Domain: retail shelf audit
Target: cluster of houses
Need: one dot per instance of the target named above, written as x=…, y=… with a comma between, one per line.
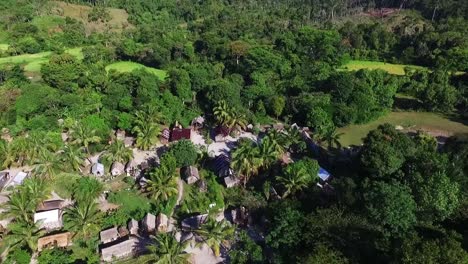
x=124, y=241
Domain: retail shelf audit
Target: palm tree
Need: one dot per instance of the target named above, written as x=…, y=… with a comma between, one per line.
x=236, y=121
x=72, y=157
x=165, y=249
x=22, y=234
x=84, y=136
x=246, y=160
x=19, y=150
x=332, y=137
x=162, y=184
x=270, y=151
x=295, y=179
x=222, y=112
x=216, y=234
x=146, y=134
x=117, y=152
x=48, y=165
x=83, y=218
x=22, y=202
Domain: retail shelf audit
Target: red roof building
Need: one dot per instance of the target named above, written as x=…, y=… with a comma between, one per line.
x=179, y=134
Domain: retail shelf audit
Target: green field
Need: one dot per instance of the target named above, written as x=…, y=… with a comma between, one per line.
x=397, y=69
x=429, y=122
x=33, y=62
x=128, y=66
x=3, y=46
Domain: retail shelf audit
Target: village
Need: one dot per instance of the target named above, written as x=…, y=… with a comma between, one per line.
x=132, y=239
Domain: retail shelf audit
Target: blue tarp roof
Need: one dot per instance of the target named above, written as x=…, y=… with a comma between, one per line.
x=323, y=174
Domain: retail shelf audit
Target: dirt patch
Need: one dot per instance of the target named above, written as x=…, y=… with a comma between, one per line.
x=118, y=17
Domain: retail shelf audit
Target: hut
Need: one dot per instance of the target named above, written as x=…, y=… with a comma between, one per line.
x=117, y=168
x=180, y=134
x=119, y=250
x=162, y=223
x=222, y=165
x=131, y=168
x=149, y=222
x=133, y=227
x=50, y=205
x=120, y=134
x=57, y=240
x=97, y=169
x=190, y=174
x=165, y=136
x=197, y=123
x=49, y=220
x=202, y=186
x=194, y=222
x=128, y=142
x=19, y=178
x=109, y=235
x=231, y=181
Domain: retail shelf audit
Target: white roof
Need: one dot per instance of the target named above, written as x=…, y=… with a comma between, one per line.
x=48, y=219
x=19, y=178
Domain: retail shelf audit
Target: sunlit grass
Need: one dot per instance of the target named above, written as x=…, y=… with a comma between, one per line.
x=128, y=66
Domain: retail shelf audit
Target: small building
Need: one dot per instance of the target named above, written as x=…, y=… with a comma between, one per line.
x=221, y=134
x=61, y=240
x=50, y=205
x=4, y=178
x=119, y=250
x=231, y=181
x=97, y=169
x=109, y=235
x=131, y=168
x=133, y=227
x=194, y=222
x=117, y=168
x=165, y=136
x=222, y=166
x=197, y=123
x=19, y=178
x=323, y=174
x=179, y=134
x=49, y=220
x=149, y=222
x=128, y=142
x=190, y=174
x=162, y=223
x=120, y=134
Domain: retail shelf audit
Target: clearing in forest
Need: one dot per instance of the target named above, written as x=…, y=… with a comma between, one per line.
x=118, y=17
x=128, y=66
x=432, y=123
x=33, y=62
x=397, y=69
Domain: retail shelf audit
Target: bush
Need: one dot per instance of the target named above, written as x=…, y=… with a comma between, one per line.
x=185, y=153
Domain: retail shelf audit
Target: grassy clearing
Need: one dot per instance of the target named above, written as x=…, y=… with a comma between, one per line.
x=430, y=122
x=397, y=69
x=33, y=62
x=45, y=23
x=3, y=46
x=128, y=66
x=118, y=22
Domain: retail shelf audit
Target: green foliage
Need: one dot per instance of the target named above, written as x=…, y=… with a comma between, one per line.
x=18, y=256
x=325, y=255
x=55, y=256
x=185, y=153
x=245, y=250
x=131, y=204
x=391, y=205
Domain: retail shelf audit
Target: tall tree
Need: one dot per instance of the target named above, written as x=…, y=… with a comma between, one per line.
x=118, y=152
x=216, y=234
x=165, y=249
x=82, y=135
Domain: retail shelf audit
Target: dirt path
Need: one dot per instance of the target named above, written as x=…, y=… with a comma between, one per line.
x=180, y=190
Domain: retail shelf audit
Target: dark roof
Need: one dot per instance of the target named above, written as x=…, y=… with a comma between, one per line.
x=178, y=134
x=194, y=222
x=221, y=162
x=50, y=205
